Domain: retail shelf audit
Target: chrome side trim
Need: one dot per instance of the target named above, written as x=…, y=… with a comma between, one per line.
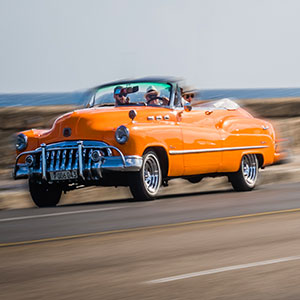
x=176, y=152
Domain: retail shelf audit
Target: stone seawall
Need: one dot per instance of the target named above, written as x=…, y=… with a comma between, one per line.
x=283, y=113
x=16, y=119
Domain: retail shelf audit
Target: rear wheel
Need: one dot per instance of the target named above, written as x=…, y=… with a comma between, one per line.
x=145, y=184
x=45, y=195
x=246, y=177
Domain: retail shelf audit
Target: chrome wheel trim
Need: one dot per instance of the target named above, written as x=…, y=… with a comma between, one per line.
x=250, y=169
x=151, y=174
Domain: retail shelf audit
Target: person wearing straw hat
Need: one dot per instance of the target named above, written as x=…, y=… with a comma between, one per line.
x=152, y=97
x=188, y=93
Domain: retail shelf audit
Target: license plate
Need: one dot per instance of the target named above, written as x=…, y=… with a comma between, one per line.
x=64, y=175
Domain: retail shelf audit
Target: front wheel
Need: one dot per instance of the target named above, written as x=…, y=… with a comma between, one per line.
x=145, y=184
x=246, y=177
x=45, y=195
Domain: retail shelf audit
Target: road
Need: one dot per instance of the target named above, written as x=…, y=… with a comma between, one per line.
x=218, y=245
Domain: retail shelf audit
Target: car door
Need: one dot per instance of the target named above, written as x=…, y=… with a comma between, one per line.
x=201, y=141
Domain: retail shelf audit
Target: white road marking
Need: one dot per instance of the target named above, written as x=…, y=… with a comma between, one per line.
x=225, y=269
x=61, y=214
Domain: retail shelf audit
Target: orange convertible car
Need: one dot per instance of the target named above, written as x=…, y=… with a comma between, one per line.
x=141, y=134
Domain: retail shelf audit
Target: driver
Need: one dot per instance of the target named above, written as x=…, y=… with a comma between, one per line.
x=120, y=95
x=152, y=97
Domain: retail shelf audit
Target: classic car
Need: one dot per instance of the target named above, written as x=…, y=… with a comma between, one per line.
x=141, y=133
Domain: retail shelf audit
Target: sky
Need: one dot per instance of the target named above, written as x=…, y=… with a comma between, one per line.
x=67, y=45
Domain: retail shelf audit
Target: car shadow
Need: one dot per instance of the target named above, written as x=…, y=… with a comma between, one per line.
x=161, y=197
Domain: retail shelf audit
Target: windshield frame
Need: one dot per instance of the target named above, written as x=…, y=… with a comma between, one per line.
x=172, y=85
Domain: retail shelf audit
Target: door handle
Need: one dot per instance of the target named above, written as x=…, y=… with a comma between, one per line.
x=208, y=112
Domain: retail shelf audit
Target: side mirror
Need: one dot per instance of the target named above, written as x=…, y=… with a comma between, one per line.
x=187, y=107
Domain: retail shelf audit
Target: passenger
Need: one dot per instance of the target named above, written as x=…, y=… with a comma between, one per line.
x=188, y=97
x=188, y=94
x=120, y=96
x=152, y=97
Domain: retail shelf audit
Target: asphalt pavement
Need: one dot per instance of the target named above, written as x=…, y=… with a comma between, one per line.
x=219, y=245
x=192, y=244
x=78, y=220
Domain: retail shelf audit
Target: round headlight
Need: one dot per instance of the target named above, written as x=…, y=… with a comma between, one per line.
x=122, y=134
x=21, y=142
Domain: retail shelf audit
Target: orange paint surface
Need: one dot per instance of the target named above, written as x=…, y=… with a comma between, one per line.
x=173, y=130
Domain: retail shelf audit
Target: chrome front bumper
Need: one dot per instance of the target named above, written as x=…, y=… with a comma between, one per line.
x=75, y=155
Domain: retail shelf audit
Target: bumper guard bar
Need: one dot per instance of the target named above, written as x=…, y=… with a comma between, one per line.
x=112, y=163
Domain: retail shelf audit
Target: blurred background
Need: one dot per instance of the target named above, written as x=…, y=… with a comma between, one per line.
x=53, y=51
x=60, y=46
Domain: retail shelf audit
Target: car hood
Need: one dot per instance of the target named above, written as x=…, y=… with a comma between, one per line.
x=96, y=123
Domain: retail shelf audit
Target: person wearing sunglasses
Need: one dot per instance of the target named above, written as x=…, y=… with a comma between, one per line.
x=188, y=94
x=120, y=96
x=188, y=97
x=152, y=97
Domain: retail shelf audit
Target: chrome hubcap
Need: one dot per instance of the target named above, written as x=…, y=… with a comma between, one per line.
x=250, y=168
x=152, y=174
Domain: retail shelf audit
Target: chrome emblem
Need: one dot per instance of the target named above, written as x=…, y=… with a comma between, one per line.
x=265, y=127
x=67, y=132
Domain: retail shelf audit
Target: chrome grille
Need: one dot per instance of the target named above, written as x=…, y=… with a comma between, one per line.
x=73, y=155
x=88, y=158
x=67, y=159
x=59, y=160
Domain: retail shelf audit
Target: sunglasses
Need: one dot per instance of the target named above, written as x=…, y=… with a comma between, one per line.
x=121, y=95
x=188, y=96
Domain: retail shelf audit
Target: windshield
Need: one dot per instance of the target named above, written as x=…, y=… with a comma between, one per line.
x=219, y=104
x=134, y=94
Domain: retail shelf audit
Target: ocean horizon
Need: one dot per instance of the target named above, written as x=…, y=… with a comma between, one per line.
x=79, y=98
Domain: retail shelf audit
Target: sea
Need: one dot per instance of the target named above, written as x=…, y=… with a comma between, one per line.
x=79, y=98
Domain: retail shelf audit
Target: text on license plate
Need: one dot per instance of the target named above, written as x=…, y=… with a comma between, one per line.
x=64, y=175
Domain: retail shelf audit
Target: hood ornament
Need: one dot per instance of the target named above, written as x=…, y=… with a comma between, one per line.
x=132, y=114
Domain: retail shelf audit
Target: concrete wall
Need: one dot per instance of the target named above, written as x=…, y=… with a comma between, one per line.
x=15, y=119
x=284, y=113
